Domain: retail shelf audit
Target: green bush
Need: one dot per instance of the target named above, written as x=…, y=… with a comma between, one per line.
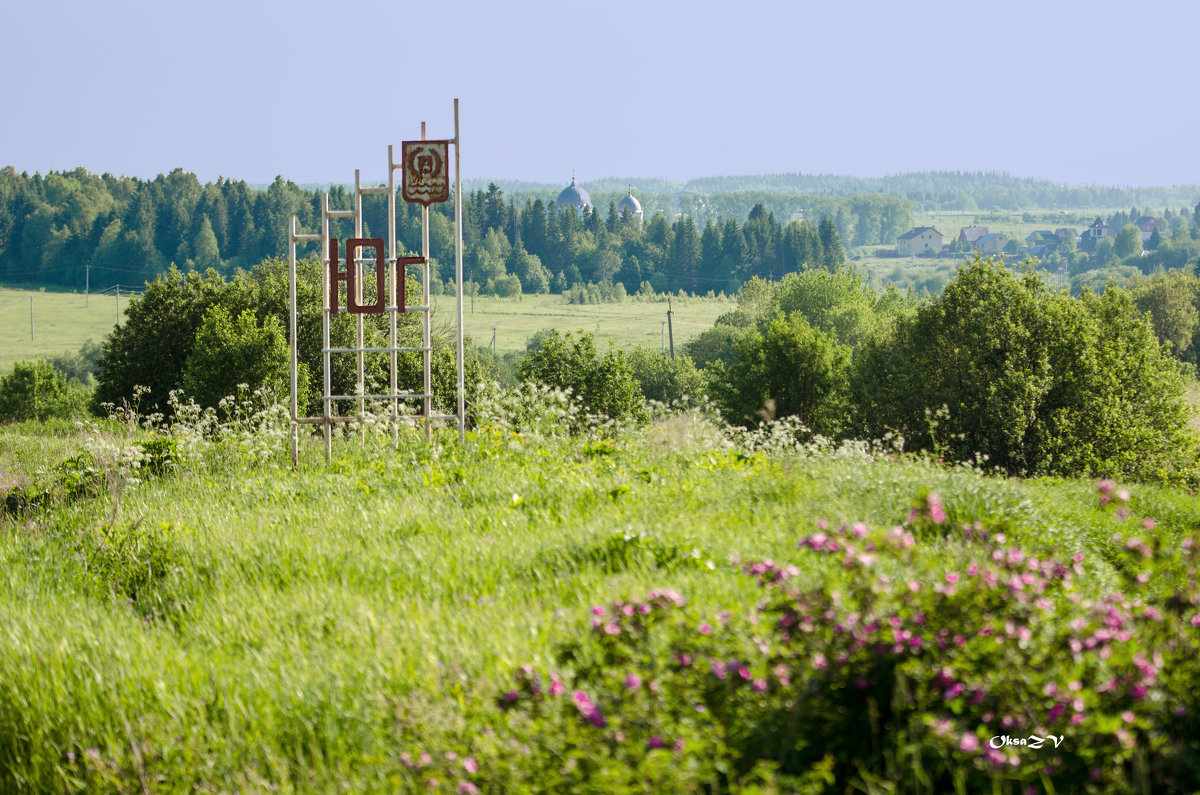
x=1036, y=380
x=150, y=348
x=34, y=390
x=229, y=352
x=791, y=370
x=603, y=385
x=1170, y=300
x=507, y=286
x=664, y=379
x=713, y=344
x=839, y=303
x=80, y=366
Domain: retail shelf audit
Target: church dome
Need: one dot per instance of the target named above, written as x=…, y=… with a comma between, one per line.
x=574, y=196
x=630, y=203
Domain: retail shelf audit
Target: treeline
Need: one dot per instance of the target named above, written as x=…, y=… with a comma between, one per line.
x=127, y=230
x=77, y=228
x=539, y=248
x=999, y=365
x=957, y=190
x=928, y=190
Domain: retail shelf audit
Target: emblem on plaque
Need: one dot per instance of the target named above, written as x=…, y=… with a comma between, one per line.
x=426, y=177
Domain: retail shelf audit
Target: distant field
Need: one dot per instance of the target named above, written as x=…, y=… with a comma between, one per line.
x=61, y=323
x=626, y=324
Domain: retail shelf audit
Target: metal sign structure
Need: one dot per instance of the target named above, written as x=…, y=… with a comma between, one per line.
x=425, y=179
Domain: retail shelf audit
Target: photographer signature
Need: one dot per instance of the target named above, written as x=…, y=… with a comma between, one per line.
x=1032, y=741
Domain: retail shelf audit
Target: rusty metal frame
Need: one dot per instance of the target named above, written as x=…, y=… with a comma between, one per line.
x=393, y=273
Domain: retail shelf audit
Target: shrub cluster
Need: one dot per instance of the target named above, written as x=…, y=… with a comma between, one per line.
x=1000, y=366
x=231, y=332
x=604, y=386
x=35, y=390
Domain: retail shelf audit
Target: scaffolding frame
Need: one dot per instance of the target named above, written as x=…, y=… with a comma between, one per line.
x=393, y=282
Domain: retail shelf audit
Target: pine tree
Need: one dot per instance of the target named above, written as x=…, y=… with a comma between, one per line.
x=685, y=252
x=533, y=228
x=734, y=251
x=493, y=208
x=710, y=255
x=831, y=241
x=205, y=251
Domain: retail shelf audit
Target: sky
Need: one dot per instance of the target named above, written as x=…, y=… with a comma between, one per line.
x=1092, y=92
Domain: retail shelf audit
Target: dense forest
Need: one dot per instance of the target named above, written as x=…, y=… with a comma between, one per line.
x=76, y=228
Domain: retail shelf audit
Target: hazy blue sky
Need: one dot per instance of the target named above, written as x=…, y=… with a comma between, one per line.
x=1079, y=92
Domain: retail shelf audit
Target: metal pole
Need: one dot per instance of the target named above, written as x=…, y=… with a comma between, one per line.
x=392, y=255
x=292, y=332
x=325, y=322
x=427, y=333
x=458, y=271
x=294, y=336
x=670, y=330
x=359, y=278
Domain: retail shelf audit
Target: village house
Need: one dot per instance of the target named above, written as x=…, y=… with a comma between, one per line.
x=1041, y=243
x=992, y=243
x=921, y=240
x=1094, y=234
x=969, y=234
x=1148, y=224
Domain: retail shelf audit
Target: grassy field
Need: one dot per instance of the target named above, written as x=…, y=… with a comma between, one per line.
x=631, y=322
x=362, y=626
x=61, y=323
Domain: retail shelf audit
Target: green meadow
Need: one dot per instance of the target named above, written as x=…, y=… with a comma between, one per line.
x=531, y=611
x=631, y=322
x=62, y=322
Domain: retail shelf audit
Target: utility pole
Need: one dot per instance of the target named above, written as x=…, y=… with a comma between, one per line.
x=662, y=348
x=670, y=330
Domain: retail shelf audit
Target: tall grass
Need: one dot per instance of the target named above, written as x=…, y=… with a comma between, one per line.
x=233, y=625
